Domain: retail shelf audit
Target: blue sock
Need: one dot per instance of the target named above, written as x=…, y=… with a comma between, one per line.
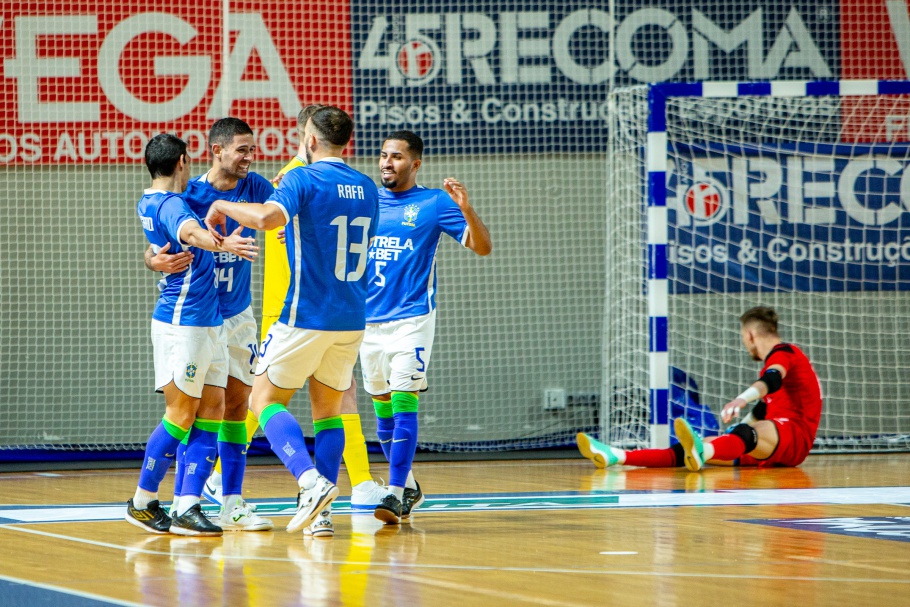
x=181, y=466
x=232, y=450
x=329, y=446
x=201, y=453
x=233, y=467
x=286, y=438
x=159, y=453
x=404, y=445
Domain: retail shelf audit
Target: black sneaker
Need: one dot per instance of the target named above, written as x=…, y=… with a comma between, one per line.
x=412, y=499
x=153, y=518
x=389, y=510
x=193, y=522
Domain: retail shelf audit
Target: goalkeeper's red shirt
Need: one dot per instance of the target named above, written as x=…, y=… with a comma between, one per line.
x=799, y=398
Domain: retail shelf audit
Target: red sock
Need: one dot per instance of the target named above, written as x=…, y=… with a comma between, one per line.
x=728, y=447
x=652, y=458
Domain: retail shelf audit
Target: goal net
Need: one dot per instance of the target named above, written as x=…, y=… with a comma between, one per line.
x=794, y=195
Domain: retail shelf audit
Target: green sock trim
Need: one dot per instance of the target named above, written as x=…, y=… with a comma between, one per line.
x=232, y=432
x=174, y=430
x=327, y=423
x=270, y=412
x=208, y=425
x=404, y=402
x=383, y=408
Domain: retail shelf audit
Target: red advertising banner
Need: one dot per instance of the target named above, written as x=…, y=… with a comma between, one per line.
x=91, y=82
x=875, y=45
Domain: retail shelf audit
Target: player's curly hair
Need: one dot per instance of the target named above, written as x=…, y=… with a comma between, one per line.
x=763, y=317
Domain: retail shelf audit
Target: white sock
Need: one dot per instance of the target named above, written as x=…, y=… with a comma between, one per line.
x=231, y=502
x=410, y=483
x=620, y=455
x=308, y=479
x=142, y=498
x=397, y=492
x=185, y=502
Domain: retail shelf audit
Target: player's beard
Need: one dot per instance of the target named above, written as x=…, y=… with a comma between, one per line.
x=388, y=183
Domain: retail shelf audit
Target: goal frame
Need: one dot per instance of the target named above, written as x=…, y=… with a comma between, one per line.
x=656, y=159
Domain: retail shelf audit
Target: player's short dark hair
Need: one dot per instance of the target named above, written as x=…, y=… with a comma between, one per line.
x=162, y=153
x=332, y=124
x=764, y=318
x=306, y=113
x=415, y=143
x=225, y=129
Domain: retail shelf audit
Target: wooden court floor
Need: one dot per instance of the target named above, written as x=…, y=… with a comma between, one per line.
x=544, y=532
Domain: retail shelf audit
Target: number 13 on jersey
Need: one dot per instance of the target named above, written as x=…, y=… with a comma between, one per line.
x=355, y=248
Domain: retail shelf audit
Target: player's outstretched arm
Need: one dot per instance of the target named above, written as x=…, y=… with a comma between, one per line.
x=162, y=261
x=250, y=214
x=478, y=235
x=243, y=247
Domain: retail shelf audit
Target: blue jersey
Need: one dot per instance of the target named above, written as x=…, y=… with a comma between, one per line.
x=402, y=264
x=331, y=212
x=232, y=272
x=187, y=298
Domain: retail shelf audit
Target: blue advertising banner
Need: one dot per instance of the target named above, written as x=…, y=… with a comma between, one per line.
x=510, y=77
x=786, y=218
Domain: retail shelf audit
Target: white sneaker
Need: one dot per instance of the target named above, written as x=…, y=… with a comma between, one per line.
x=367, y=495
x=322, y=526
x=243, y=518
x=212, y=490
x=312, y=501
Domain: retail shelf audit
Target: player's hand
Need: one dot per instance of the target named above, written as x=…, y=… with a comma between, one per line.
x=165, y=262
x=456, y=190
x=216, y=222
x=243, y=247
x=732, y=409
x=282, y=235
x=277, y=179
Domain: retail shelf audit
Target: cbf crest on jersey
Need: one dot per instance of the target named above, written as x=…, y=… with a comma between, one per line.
x=191, y=372
x=410, y=215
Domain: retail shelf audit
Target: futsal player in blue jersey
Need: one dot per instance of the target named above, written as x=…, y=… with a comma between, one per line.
x=231, y=145
x=401, y=304
x=187, y=338
x=330, y=213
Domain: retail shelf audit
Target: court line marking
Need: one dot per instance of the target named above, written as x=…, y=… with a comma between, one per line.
x=69, y=591
x=41, y=513
x=441, y=567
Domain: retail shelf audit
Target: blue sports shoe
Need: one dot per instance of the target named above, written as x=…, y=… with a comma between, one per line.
x=691, y=443
x=597, y=452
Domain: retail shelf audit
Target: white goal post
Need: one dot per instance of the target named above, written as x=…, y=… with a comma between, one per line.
x=727, y=195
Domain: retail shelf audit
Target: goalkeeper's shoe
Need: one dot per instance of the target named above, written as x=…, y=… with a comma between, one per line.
x=152, y=518
x=693, y=448
x=596, y=451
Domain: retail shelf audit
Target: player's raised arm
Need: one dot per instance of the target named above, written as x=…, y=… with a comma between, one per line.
x=478, y=235
x=169, y=263
x=243, y=247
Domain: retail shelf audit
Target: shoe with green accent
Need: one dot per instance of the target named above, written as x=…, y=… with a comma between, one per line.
x=691, y=443
x=596, y=451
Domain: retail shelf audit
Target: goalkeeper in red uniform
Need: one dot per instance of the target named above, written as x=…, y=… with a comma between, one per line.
x=779, y=431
